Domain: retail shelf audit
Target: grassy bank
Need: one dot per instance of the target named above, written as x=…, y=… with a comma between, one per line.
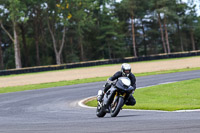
x=79, y=81
x=181, y=95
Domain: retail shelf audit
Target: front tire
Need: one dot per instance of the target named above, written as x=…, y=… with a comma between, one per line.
x=116, y=106
x=99, y=111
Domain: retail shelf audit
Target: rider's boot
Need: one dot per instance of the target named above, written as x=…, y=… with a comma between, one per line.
x=100, y=96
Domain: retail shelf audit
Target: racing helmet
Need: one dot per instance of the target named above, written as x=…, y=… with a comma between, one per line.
x=126, y=69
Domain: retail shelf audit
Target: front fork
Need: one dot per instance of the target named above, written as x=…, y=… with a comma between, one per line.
x=108, y=97
x=113, y=99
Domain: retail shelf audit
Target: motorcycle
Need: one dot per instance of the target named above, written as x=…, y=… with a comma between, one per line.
x=115, y=97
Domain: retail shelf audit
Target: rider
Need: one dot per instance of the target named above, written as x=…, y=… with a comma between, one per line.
x=125, y=72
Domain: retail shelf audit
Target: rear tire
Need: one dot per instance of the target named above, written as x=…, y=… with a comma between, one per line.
x=117, y=106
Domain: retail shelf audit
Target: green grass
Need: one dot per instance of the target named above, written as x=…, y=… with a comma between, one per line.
x=79, y=81
x=167, y=71
x=48, y=85
x=181, y=95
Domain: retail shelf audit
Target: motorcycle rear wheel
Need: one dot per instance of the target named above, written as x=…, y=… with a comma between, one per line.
x=116, y=106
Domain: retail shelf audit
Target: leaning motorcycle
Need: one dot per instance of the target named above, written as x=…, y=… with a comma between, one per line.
x=115, y=97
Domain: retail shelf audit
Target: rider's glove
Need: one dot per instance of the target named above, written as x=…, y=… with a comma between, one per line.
x=134, y=87
x=109, y=82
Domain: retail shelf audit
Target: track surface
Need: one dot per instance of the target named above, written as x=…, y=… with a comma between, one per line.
x=56, y=110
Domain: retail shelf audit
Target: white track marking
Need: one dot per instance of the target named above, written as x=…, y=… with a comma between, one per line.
x=81, y=103
x=187, y=110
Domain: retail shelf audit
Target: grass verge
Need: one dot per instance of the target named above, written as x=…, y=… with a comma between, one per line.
x=79, y=81
x=181, y=95
x=48, y=85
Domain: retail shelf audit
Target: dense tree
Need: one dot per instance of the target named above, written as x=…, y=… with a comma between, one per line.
x=83, y=21
x=1, y=55
x=16, y=14
x=58, y=16
x=109, y=33
x=45, y=32
x=36, y=17
x=131, y=6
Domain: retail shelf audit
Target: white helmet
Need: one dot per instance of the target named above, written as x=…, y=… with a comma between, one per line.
x=126, y=69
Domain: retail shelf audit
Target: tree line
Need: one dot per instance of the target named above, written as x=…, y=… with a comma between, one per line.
x=46, y=32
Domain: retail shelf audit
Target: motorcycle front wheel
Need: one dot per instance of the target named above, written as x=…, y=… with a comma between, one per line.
x=100, y=112
x=116, y=106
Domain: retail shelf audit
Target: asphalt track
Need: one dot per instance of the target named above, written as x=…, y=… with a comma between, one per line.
x=56, y=110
